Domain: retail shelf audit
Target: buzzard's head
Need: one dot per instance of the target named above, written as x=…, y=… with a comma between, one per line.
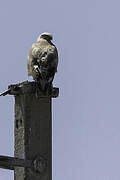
x=46, y=36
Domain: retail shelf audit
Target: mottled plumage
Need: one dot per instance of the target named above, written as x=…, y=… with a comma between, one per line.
x=43, y=60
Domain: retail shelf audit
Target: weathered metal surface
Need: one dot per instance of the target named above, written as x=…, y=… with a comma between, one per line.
x=38, y=164
x=33, y=135
x=30, y=88
x=32, y=132
x=12, y=162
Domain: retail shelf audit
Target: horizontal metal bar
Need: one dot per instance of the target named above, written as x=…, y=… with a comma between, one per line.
x=11, y=162
x=5, y=92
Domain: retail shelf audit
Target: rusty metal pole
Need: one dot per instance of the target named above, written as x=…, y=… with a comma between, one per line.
x=33, y=133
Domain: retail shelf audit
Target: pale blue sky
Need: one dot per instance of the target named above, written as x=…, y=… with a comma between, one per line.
x=86, y=116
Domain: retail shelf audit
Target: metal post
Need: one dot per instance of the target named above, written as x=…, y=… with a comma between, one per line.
x=33, y=133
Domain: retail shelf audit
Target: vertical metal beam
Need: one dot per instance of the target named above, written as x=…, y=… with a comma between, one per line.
x=33, y=135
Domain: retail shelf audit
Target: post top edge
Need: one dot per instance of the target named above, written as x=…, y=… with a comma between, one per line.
x=30, y=87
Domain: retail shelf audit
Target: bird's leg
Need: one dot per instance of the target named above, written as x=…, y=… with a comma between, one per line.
x=36, y=93
x=48, y=88
x=50, y=84
x=40, y=88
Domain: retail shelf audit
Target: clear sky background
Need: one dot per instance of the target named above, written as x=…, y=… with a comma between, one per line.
x=86, y=116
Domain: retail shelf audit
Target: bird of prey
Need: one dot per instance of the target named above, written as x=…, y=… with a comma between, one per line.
x=42, y=61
